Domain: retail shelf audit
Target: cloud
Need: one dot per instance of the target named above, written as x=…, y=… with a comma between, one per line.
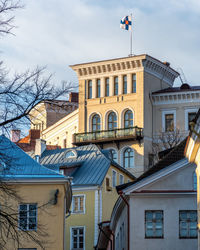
x=60, y=33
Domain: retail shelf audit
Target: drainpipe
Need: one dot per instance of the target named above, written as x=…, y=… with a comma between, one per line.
x=128, y=221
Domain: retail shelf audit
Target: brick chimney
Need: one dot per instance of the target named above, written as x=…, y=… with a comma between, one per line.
x=33, y=135
x=15, y=135
x=73, y=97
x=40, y=146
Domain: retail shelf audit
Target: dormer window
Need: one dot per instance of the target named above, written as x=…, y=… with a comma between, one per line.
x=71, y=154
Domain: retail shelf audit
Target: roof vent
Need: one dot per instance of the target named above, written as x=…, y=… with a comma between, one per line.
x=185, y=86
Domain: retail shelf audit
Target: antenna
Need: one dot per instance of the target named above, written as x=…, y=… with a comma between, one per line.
x=182, y=76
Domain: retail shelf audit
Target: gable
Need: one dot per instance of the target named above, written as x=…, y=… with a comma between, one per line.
x=180, y=179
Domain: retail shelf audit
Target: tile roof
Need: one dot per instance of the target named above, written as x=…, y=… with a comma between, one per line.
x=176, y=154
x=91, y=163
x=15, y=163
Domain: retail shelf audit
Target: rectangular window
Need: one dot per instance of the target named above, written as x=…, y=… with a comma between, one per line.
x=121, y=179
x=116, y=85
x=78, y=204
x=107, y=87
x=98, y=88
x=154, y=224
x=187, y=224
x=28, y=217
x=65, y=143
x=191, y=117
x=169, y=122
x=114, y=178
x=108, y=187
x=90, y=89
x=124, y=84
x=134, y=83
x=77, y=238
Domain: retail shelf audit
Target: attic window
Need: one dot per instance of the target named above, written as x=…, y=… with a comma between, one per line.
x=71, y=154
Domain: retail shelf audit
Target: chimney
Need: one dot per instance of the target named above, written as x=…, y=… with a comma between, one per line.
x=40, y=146
x=73, y=97
x=15, y=135
x=33, y=135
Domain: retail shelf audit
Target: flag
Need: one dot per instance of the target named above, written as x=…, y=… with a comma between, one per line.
x=126, y=23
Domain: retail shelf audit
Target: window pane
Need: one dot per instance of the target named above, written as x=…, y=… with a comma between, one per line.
x=89, y=89
x=154, y=224
x=169, y=122
x=124, y=84
x=188, y=223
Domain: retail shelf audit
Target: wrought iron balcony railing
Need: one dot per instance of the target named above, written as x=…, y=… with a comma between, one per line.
x=133, y=133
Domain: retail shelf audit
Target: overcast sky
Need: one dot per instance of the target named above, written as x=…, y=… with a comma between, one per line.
x=58, y=33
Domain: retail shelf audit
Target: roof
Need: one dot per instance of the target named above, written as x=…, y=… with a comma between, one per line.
x=91, y=164
x=183, y=88
x=176, y=154
x=16, y=164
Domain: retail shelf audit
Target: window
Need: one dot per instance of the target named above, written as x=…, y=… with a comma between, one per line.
x=89, y=89
x=113, y=155
x=112, y=121
x=28, y=217
x=194, y=181
x=116, y=85
x=96, y=123
x=169, y=122
x=78, y=204
x=121, y=179
x=188, y=224
x=154, y=224
x=108, y=187
x=128, y=119
x=107, y=87
x=128, y=158
x=124, y=84
x=98, y=88
x=70, y=154
x=61, y=171
x=64, y=143
x=134, y=83
x=191, y=117
x=27, y=248
x=77, y=238
x=114, y=178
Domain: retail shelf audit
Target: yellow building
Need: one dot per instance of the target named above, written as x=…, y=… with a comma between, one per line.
x=36, y=200
x=192, y=152
x=116, y=106
x=94, y=177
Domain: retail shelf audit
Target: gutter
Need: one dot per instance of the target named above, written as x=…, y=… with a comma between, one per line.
x=128, y=217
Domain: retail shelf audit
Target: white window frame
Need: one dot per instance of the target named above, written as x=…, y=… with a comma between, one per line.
x=187, y=111
x=168, y=112
x=121, y=176
x=114, y=179
x=78, y=195
x=71, y=240
x=28, y=217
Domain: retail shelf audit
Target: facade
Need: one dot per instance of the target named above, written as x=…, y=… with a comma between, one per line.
x=40, y=202
x=192, y=152
x=94, y=177
x=158, y=210
x=125, y=104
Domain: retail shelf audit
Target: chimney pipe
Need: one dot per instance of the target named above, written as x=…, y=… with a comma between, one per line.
x=15, y=135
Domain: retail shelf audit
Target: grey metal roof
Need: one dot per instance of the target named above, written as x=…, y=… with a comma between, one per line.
x=15, y=163
x=92, y=163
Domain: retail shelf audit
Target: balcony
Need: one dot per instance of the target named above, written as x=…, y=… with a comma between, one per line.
x=108, y=136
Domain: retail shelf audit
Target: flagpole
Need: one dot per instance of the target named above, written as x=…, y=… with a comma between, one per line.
x=131, y=40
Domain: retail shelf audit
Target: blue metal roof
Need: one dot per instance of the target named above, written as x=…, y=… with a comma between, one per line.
x=15, y=163
x=91, y=162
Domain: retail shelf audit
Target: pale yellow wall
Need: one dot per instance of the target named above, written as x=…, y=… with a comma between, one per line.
x=50, y=217
x=63, y=129
x=83, y=220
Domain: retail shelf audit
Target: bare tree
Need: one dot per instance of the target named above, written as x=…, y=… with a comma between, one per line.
x=19, y=94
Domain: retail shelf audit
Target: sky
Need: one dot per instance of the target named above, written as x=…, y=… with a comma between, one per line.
x=59, y=33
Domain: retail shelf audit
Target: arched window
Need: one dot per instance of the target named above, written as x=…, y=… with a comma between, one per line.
x=128, y=119
x=70, y=154
x=128, y=158
x=113, y=155
x=194, y=181
x=89, y=89
x=96, y=123
x=112, y=121
x=124, y=84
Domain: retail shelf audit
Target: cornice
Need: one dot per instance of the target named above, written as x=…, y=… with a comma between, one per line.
x=176, y=97
x=126, y=65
